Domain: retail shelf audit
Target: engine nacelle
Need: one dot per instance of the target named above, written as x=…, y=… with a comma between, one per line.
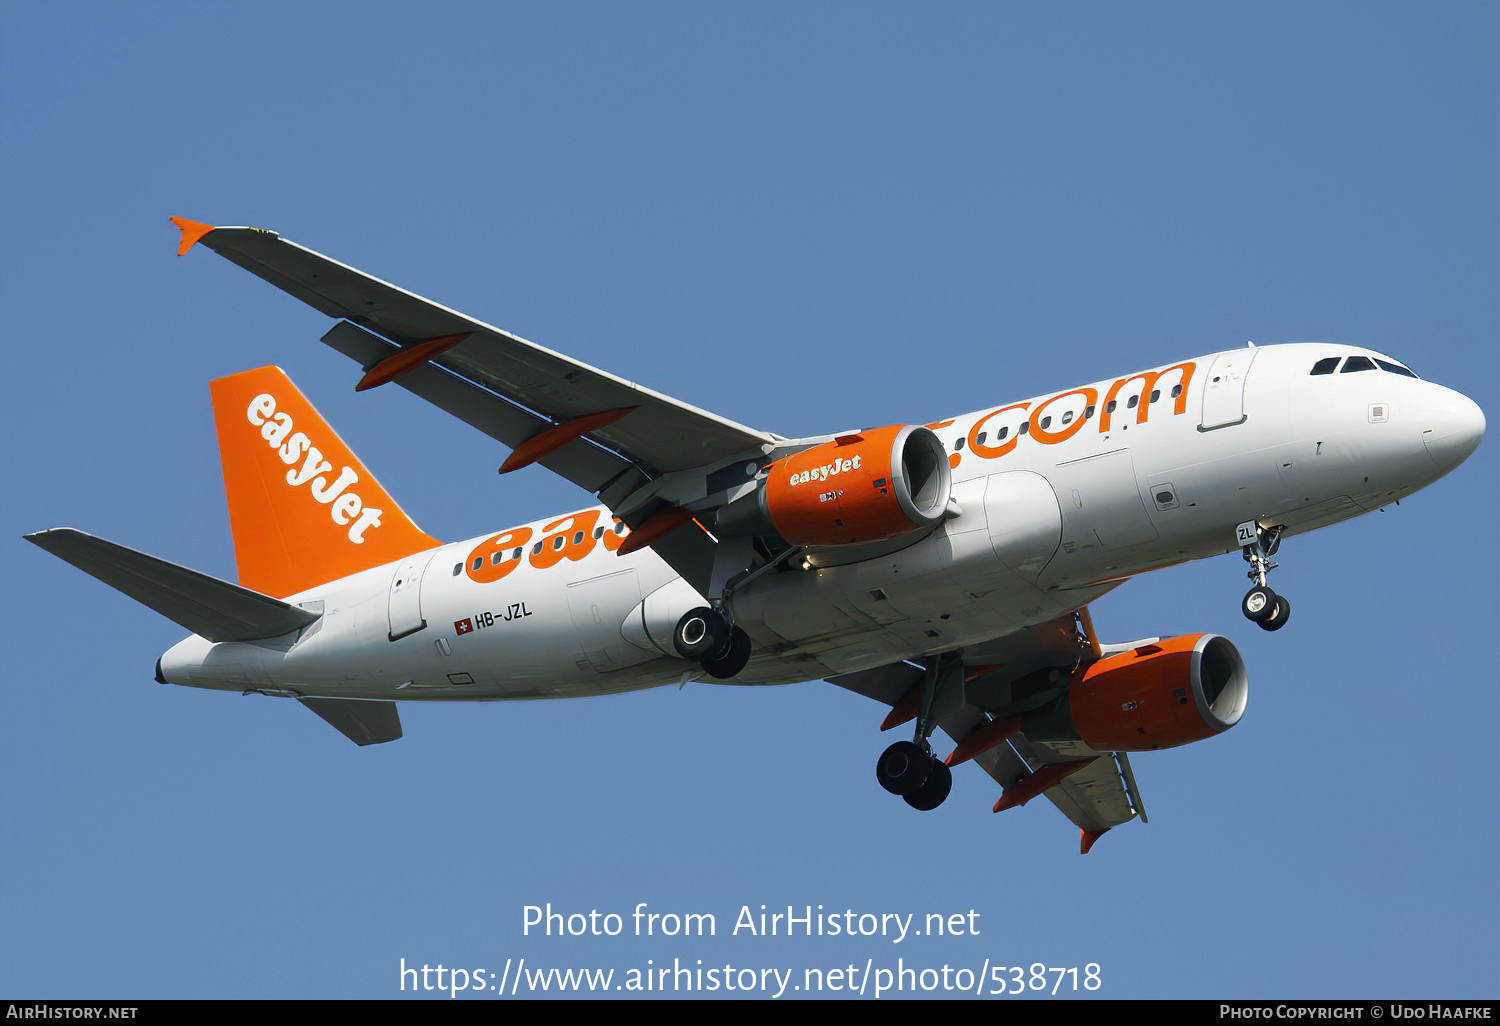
x=1162, y=695
x=862, y=487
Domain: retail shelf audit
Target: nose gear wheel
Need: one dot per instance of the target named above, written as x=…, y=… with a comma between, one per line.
x=1261, y=605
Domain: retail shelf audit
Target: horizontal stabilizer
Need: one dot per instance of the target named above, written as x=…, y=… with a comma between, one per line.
x=207, y=606
x=364, y=723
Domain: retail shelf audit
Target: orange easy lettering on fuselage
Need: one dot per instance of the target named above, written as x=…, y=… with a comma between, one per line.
x=571, y=537
x=997, y=432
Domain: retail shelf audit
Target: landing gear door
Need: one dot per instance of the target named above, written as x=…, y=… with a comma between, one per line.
x=599, y=607
x=1224, y=390
x=406, y=595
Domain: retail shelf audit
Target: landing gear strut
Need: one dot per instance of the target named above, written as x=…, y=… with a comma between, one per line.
x=1261, y=605
x=908, y=768
x=708, y=635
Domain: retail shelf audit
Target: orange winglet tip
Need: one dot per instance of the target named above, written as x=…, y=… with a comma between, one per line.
x=542, y=445
x=192, y=231
x=1028, y=787
x=656, y=527
x=1086, y=839
x=983, y=739
x=905, y=710
x=403, y=360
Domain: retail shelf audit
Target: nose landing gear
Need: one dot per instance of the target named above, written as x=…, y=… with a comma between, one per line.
x=1261, y=605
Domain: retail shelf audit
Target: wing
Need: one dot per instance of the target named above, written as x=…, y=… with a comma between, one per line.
x=637, y=449
x=1010, y=675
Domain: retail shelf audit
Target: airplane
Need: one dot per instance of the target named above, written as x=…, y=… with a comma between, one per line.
x=944, y=570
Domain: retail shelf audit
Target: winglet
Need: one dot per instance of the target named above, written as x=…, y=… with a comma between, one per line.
x=192, y=231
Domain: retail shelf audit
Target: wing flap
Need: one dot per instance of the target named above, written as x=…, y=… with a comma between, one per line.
x=207, y=606
x=1095, y=797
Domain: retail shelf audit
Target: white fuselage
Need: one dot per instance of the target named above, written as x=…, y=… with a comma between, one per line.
x=1061, y=498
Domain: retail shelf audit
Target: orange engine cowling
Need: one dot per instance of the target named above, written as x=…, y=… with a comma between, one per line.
x=861, y=487
x=1162, y=695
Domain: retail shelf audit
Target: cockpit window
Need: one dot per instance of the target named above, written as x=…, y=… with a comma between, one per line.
x=1394, y=368
x=1326, y=366
x=1358, y=363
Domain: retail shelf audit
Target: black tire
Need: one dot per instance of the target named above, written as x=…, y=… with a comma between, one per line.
x=699, y=634
x=1279, y=616
x=733, y=659
x=1258, y=604
x=903, y=768
x=933, y=790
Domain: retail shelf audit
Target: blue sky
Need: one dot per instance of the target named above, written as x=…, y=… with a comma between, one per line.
x=804, y=217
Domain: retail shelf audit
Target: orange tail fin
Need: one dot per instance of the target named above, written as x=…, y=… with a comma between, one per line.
x=303, y=509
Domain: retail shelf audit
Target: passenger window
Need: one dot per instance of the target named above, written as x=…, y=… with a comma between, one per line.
x=1130, y=403
x=1326, y=365
x=1155, y=394
x=1176, y=391
x=457, y=569
x=958, y=443
x=478, y=562
x=1025, y=427
x=536, y=549
x=515, y=554
x=1067, y=418
x=496, y=557
x=979, y=439
x=1046, y=423
x=1358, y=363
x=1000, y=435
x=1088, y=414
x=1109, y=407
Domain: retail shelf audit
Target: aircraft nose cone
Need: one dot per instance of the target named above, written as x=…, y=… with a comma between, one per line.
x=1457, y=425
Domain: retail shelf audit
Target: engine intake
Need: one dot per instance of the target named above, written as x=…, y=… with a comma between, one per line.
x=1162, y=695
x=858, y=488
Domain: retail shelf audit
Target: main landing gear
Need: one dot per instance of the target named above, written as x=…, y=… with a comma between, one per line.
x=908, y=768
x=1261, y=605
x=706, y=636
